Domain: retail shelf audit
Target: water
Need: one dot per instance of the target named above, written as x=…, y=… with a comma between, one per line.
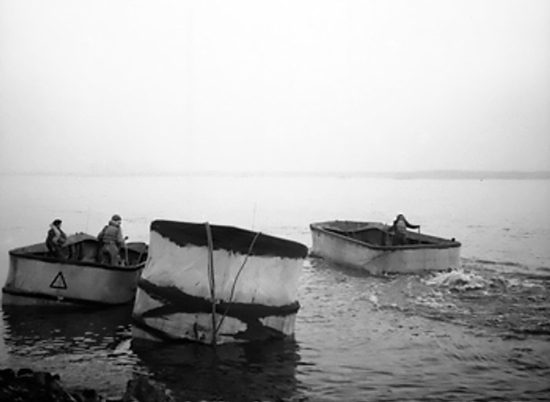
x=478, y=333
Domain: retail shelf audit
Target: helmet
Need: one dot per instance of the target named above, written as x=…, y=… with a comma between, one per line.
x=116, y=218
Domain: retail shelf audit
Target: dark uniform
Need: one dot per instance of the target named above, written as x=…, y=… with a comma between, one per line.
x=55, y=239
x=112, y=241
x=399, y=229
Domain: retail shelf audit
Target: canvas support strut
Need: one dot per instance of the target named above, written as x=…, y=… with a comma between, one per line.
x=236, y=278
x=211, y=280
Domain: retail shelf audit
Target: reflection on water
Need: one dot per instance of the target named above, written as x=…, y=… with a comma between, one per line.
x=256, y=371
x=42, y=332
x=86, y=347
x=93, y=348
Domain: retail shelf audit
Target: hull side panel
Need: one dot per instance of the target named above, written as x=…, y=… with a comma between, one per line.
x=72, y=282
x=379, y=260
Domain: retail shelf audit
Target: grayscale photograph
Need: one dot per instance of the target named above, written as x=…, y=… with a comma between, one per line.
x=274, y=201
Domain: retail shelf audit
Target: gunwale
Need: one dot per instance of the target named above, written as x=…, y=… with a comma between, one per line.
x=332, y=228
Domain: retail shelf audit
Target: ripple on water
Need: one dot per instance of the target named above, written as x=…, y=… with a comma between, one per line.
x=428, y=325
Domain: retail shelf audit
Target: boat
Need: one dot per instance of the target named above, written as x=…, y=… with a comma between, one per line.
x=216, y=284
x=367, y=246
x=76, y=278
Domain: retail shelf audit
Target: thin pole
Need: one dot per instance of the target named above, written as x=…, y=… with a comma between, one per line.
x=211, y=280
x=235, y=280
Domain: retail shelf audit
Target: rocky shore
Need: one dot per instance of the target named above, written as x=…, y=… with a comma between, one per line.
x=27, y=385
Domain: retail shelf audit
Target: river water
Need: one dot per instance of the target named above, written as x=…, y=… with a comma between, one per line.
x=481, y=332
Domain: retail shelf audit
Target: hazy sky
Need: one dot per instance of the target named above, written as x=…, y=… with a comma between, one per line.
x=131, y=86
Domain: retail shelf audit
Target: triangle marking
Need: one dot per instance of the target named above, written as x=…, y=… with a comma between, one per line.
x=59, y=282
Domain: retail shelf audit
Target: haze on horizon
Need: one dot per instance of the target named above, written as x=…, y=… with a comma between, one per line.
x=335, y=86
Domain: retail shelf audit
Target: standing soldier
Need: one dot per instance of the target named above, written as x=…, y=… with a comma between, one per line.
x=112, y=241
x=399, y=230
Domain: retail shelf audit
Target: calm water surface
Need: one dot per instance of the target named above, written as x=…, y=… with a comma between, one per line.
x=479, y=333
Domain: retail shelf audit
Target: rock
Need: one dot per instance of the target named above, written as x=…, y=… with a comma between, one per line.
x=27, y=386
x=36, y=386
x=142, y=389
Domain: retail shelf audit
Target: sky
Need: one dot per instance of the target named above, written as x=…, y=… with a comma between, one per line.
x=131, y=87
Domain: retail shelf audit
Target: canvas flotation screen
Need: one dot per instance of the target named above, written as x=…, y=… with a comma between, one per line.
x=218, y=283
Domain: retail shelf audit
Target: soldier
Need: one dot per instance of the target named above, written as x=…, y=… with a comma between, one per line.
x=55, y=239
x=399, y=230
x=112, y=241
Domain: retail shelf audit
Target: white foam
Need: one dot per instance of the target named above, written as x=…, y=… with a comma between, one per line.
x=458, y=279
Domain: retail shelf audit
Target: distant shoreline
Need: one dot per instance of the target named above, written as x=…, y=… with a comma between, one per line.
x=412, y=175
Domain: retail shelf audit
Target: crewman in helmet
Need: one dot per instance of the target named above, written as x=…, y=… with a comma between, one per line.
x=112, y=241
